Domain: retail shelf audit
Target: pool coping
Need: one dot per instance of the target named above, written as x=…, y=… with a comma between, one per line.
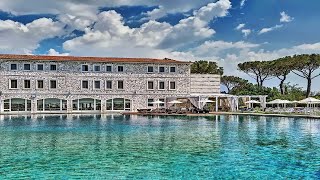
x=227, y=113
x=163, y=114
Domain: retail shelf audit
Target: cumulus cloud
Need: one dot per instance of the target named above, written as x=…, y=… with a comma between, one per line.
x=16, y=37
x=110, y=32
x=285, y=17
x=266, y=30
x=155, y=13
x=89, y=9
x=217, y=48
x=53, y=52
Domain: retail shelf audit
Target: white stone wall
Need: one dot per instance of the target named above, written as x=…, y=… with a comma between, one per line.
x=69, y=77
x=205, y=84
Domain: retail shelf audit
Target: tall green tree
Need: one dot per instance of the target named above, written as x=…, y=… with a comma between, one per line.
x=254, y=89
x=259, y=70
x=305, y=66
x=233, y=82
x=281, y=68
x=206, y=67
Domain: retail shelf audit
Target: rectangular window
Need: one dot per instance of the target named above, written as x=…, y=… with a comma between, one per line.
x=150, y=69
x=150, y=102
x=85, y=85
x=27, y=67
x=53, y=67
x=172, y=85
x=13, y=67
x=161, y=85
x=172, y=69
x=27, y=84
x=97, y=68
x=97, y=84
x=150, y=85
x=109, y=68
x=162, y=104
x=84, y=68
x=13, y=84
x=120, y=85
x=40, y=84
x=53, y=84
x=120, y=68
x=161, y=69
x=40, y=67
x=109, y=84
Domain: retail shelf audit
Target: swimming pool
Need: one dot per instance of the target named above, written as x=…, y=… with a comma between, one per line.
x=172, y=147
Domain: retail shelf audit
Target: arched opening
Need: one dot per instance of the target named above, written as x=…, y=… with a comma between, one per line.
x=52, y=104
x=16, y=104
x=118, y=104
x=86, y=104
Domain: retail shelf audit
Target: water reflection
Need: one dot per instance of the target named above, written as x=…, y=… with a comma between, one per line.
x=158, y=145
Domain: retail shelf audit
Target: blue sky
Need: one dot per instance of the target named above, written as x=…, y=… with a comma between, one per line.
x=226, y=31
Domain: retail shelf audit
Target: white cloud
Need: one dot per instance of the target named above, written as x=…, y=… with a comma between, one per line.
x=109, y=32
x=16, y=37
x=246, y=32
x=155, y=13
x=242, y=3
x=285, y=17
x=216, y=48
x=240, y=26
x=53, y=52
x=195, y=28
x=88, y=9
x=266, y=30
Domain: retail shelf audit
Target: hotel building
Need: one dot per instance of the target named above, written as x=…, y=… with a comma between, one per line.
x=67, y=84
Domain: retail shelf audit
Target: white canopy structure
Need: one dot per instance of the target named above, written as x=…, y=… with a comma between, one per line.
x=253, y=102
x=287, y=102
x=279, y=101
x=310, y=100
x=276, y=101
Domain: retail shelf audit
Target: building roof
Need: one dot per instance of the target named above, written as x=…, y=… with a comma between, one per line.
x=90, y=59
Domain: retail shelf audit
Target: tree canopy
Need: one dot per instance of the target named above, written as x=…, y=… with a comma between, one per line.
x=280, y=69
x=206, y=67
x=259, y=70
x=233, y=82
x=305, y=66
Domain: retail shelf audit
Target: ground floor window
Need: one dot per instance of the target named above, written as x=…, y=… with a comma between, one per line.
x=118, y=104
x=17, y=104
x=150, y=102
x=162, y=104
x=51, y=104
x=86, y=104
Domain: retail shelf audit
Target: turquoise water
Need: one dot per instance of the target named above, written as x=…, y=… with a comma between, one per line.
x=132, y=147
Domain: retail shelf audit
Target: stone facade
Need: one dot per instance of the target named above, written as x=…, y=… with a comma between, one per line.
x=69, y=77
x=205, y=84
